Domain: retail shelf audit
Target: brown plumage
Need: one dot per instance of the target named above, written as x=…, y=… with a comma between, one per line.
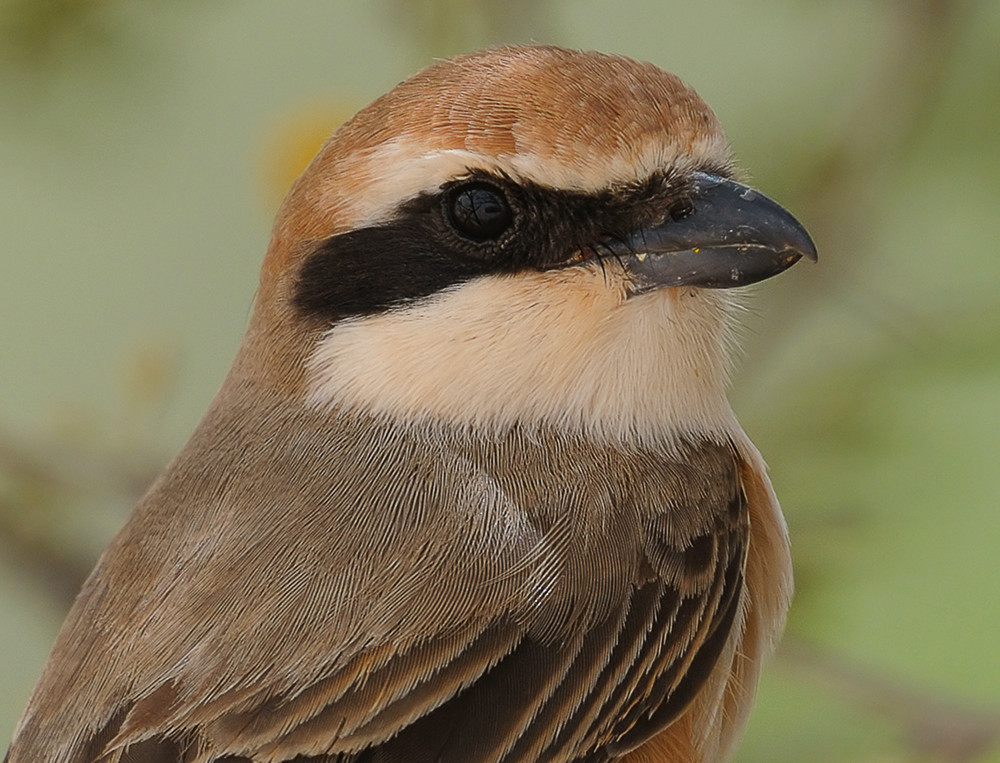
x=472, y=490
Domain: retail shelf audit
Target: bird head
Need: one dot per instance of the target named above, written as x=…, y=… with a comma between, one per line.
x=522, y=236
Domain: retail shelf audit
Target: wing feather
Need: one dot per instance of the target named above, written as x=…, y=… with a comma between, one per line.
x=555, y=613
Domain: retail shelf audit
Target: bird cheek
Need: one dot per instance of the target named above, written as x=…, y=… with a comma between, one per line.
x=683, y=294
x=679, y=296
x=594, y=276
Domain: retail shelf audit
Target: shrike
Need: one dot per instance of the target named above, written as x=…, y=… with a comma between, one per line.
x=472, y=490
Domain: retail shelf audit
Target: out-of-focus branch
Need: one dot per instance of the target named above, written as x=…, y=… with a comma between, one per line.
x=43, y=484
x=40, y=491
x=838, y=193
x=32, y=484
x=933, y=724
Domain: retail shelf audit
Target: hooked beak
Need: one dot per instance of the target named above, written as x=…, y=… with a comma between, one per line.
x=734, y=236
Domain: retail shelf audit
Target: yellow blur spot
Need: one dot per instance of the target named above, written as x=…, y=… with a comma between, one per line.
x=294, y=140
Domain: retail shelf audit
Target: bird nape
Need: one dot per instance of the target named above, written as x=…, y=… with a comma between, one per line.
x=472, y=490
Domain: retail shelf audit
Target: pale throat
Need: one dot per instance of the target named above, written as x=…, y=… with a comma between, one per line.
x=562, y=348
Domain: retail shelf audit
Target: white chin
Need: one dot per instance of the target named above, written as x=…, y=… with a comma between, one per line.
x=561, y=348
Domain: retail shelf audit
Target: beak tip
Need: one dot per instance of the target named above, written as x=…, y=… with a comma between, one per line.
x=809, y=252
x=799, y=245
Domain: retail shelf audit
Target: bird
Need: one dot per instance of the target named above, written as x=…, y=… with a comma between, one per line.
x=472, y=489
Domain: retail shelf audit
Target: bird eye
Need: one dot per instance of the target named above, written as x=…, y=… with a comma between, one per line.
x=479, y=211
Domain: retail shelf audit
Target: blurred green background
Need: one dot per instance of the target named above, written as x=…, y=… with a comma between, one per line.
x=144, y=147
